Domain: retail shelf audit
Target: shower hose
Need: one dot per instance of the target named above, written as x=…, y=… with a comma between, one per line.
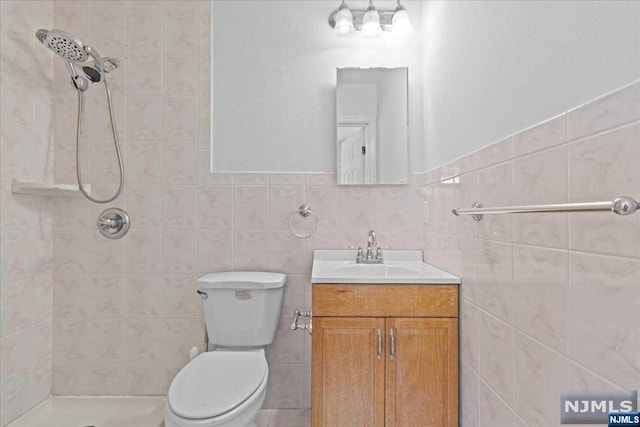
x=115, y=140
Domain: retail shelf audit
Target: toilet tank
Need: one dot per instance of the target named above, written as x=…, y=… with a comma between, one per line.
x=242, y=308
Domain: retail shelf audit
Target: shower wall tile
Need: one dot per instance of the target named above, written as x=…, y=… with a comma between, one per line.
x=179, y=118
x=287, y=178
x=468, y=396
x=215, y=251
x=215, y=208
x=541, y=136
x=497, y=152
x=602, y=167
x=144, y=203
x=495, y=189
x=251, y=207
x=180, y=162
x=144, y=251
x=179, y=251
x=320, y=178
x=144, y=162
x=180, y=75
x=179, y=204
x=26, y=222
x=143, y=296
x=281, y=199
x=144, y=117
x=258, y=178
x=144, y=48
x=557, y=309
x=250, y=250
x=540, y=294
x=495, y=355
x=493, y=410
x=469, y=337
x=541, y=178
x=392, y=214
x=605, y=288
x=615, y=109
x=542, y=377
x=180, y=29
x=102, y=164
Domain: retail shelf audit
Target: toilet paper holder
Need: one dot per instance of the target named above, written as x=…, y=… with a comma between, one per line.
x=304, y=326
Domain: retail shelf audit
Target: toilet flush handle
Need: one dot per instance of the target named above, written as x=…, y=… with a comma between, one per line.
x=203, y=295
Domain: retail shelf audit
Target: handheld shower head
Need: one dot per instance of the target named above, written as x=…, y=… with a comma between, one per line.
x=74, y=51
x=94, y=72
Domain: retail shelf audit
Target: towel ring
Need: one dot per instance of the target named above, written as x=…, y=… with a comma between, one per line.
x=304, y=211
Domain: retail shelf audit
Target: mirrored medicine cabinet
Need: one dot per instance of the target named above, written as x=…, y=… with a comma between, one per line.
x=372, y=126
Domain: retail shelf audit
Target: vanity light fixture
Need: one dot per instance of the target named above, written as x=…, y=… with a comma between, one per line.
x=400, y=21
x=344, y=21
x=370, y=21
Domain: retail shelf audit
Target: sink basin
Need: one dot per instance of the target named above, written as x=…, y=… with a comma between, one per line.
x=400, y=267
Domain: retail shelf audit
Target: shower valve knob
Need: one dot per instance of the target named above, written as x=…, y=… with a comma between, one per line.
x=113, y=223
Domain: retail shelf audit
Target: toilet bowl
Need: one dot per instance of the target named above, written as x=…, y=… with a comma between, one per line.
x=226, y=387
x=218, y=389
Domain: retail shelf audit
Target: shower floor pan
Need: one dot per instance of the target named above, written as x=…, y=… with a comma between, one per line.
x=107, y=411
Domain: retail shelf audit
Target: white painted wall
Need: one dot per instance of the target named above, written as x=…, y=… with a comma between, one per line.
x=494, y=67
x=275, y=77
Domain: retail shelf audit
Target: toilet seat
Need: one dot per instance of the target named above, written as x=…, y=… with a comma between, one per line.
x=215, y=383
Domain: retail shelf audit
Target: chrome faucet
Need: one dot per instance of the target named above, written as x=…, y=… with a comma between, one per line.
x=374, y=252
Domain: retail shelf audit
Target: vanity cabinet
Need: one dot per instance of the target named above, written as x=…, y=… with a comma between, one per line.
x=385, y=355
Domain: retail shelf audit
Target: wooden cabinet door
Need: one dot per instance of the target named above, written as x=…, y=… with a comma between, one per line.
x=347, y=373
x=422, y=376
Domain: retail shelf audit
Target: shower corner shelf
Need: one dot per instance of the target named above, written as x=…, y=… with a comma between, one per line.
x=46, y=189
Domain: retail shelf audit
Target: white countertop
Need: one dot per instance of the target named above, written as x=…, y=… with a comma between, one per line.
x=399, y=267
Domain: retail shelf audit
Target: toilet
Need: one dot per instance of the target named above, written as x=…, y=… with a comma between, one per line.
x=225, y=387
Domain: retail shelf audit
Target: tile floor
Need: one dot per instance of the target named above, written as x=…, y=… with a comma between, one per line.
x=130, y=411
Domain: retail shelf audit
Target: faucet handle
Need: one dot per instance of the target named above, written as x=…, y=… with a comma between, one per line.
x=378, y=253
x=360, y=255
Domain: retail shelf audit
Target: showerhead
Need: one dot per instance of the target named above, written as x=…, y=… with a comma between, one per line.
x=73, y=51
x=64, y=44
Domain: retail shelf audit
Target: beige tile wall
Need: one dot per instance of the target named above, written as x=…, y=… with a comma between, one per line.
x=542, y=294
x=126, y=312
x=26, y=148
x=550, y=301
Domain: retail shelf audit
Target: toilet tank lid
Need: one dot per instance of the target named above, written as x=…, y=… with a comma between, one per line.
x=242, y=280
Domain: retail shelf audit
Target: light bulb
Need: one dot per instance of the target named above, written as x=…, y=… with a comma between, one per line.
x=400, y=21
x=344, y=21
x=371, y=22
